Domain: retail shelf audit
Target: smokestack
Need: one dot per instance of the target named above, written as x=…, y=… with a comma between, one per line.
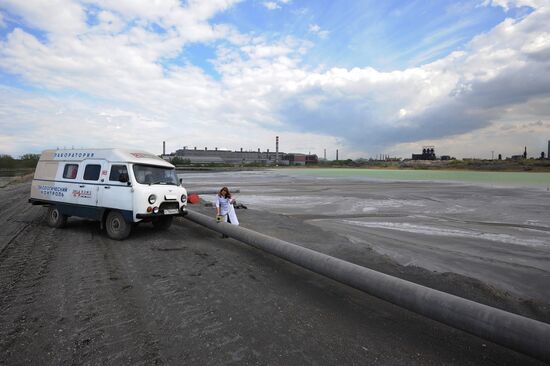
x=325, y=154
x=164, y=148
x=336, y=154
x=548, y=155
x=276, y=149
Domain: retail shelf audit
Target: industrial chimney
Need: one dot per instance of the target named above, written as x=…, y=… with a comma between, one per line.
x=276, y=149
x=336, y=154
x=548, y=155
x=164, y=148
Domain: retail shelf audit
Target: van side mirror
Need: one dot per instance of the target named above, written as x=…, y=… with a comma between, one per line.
x=123, y=178
x=181, y=181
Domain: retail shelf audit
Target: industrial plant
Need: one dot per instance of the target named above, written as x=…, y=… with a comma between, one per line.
x=201, y=156
x=240, y=157
x=428, y=153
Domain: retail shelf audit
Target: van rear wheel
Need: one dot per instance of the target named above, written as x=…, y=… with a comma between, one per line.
x=117, y=228
x=163, y=223
x=55, y=218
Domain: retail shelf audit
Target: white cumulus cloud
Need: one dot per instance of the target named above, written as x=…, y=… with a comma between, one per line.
x=316, y=29
x=271, y=5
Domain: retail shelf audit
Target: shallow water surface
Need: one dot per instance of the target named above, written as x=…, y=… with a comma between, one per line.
x=492, y=178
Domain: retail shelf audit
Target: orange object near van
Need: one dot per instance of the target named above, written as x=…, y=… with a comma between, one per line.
x=193, y=198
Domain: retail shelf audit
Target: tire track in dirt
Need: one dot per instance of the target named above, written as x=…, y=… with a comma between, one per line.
x=62, y=286
x=16, y=214
x=23, y=266
x=101, y=322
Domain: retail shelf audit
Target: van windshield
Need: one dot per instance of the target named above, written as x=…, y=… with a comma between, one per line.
x=149, y=174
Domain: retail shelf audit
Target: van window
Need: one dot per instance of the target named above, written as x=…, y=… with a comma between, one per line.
x=91, y=172
x=117, y=171
x=70, y=170
x=148, y=174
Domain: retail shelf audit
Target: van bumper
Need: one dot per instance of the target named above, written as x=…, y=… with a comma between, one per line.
x=182, y=212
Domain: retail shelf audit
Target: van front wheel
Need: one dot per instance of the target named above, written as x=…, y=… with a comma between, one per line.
x=117, y=228
x=55, y=218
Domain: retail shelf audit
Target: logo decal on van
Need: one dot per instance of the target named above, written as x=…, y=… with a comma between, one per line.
x=52, y=191
x=73, y=155
x=81, y=193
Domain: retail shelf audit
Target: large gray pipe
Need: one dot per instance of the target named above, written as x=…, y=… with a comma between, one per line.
x=211, y=191
x=510, y=330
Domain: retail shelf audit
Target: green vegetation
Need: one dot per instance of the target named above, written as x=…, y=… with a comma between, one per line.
x=180, y=161
x=520, y=165
x=254, y=165
x=27, y=161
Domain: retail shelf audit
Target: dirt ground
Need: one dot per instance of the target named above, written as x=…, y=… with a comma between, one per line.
x=187, y=296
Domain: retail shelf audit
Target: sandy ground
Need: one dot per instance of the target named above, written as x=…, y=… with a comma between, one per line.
x=186, y=296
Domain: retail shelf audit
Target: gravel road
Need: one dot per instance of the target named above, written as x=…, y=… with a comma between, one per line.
x=187, y=296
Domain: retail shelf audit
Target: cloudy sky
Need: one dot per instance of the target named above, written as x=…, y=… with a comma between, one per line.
x=366, y=77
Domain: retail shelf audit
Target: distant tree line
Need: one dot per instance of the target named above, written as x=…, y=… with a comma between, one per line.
x=25, y=161
x=180, y=161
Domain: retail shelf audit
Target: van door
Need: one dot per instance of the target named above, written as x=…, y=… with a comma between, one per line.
x=67, y=179
x=87, y=191
x=117, y=190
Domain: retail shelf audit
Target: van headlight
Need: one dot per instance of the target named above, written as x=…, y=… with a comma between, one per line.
x=152, y=199
x=183, y=198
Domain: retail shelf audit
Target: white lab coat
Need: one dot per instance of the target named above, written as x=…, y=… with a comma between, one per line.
x=232, y=215
x=226, y=209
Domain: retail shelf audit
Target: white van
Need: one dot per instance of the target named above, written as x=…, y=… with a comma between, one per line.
x=114, y=186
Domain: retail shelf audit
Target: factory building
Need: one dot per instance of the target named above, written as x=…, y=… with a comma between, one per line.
x=300, y=159
x=218, y=156
x=209, y=156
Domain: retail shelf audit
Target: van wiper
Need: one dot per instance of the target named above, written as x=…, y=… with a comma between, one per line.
x=164, y=183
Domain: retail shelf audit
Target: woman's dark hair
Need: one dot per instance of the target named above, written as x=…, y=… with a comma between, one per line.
x=227, y=193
